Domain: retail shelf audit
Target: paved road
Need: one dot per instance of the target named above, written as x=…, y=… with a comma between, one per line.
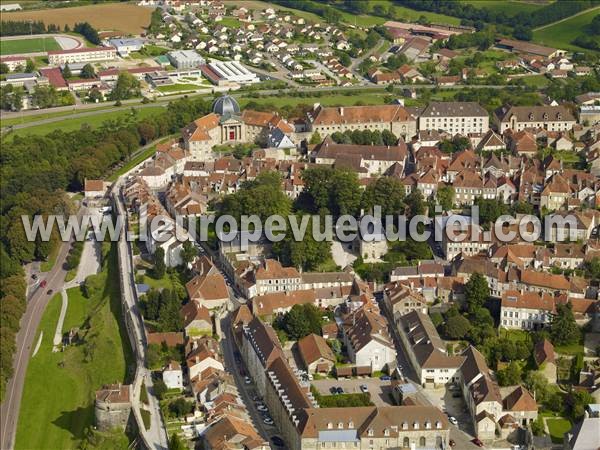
x=79, y=111
x=9, y=409
x=585, y=11
x=156, y=436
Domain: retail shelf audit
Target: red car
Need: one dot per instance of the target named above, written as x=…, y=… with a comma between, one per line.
x=43, y=284
x=477, y=442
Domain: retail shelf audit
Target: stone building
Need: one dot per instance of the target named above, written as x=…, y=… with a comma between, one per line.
x=455, y=118
x=394, y=118
x=113, y=406
x=517, y=118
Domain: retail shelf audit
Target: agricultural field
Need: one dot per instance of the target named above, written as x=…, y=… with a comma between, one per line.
x=58, y=407
x=561, y=34
x=35, y=45
x=508, y=7
x=124, y=17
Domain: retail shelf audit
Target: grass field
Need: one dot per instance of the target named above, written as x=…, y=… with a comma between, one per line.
x=71, y=124
x=230, y=22
x=34, y=45
x=178, y=87
x=557, y=428
x=58, y=398
x=509, y=7
x=125, y=17
x=561, y=34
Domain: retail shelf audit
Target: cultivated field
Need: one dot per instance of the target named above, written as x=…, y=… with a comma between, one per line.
x=17, y=46
x=561, y=34
x=124, y=17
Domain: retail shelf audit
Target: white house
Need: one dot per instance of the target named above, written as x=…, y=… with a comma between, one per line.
x=173, y=375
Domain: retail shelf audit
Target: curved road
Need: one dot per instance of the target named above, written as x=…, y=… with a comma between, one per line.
x=9, y=409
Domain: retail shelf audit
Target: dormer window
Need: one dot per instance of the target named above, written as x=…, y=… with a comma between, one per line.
x=341, y=425
x=530, y=116
x=438, y=424
x=545, y=116
x=386, y=432
x=329, y=426
x=404, y=425
x=559, y=116
x=416, y=425
x=371, y=432
x=428, y=425
x=350, y=424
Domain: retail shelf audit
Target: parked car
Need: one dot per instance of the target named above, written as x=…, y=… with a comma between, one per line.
x=262, y=407
x=43, y=284
x=50, y=292
x=364, y=388
x=333, y=390
x=247, y=380
x=385, y=378
x=268, y=421
x=33, y=276
x=340, y=390
x=453, y=420
x=477, y=442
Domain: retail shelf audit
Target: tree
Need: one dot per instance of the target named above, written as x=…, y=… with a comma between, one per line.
x=386, y=192
x=595, y=24
x=445, y=197
x=169, y=318
x=415, y=203
x=296, y=324
x=306, y=253
x=563, y=328
x=127, y=86
x=160, y=388
x=510, y=375
x=175, y=443
x=334, y=189
x=575, y=403
x=180, y=407
x=457, y=327
x=159, y=263
x=523, y=33
x=66, y=72
x=188, y=253
x=88, y=71
x=315, y=138
x=490, y=210
x=477, y=292
x=29, y=65
x=4, y=68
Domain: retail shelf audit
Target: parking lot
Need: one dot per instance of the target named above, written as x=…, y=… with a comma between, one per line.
x=380, y=390
x=452, y=402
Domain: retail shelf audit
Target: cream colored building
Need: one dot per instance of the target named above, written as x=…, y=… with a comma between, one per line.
x=395, y=118
x=455, y=118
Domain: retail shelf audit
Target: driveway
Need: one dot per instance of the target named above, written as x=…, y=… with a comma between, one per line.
x=380, y=391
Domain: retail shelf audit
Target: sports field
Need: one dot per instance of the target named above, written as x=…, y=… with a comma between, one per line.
x=17, y=46
x=125, y=17
x=561, y=34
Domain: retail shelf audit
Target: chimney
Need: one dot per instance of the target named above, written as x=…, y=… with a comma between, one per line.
x=341, y=111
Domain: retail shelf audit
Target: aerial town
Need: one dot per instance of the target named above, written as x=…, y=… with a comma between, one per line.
x=226, y=122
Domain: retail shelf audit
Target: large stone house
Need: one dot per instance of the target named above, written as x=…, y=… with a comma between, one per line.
x=517, y=118
x=367, y=340
x=455, y=118
x=394, y=118
x=427, y=351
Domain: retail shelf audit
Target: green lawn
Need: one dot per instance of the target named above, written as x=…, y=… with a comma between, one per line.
x=572, y=349
x=403, y=13
x=509, y=7
x=537, y=81
x=178, y=87
x=75, y=123
x=48, y=115
x=560, y=35
x=47, y=265
x=145, y=154
x=558, y=427
x=57, y=408
x=28, y=45
x=230, y=22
